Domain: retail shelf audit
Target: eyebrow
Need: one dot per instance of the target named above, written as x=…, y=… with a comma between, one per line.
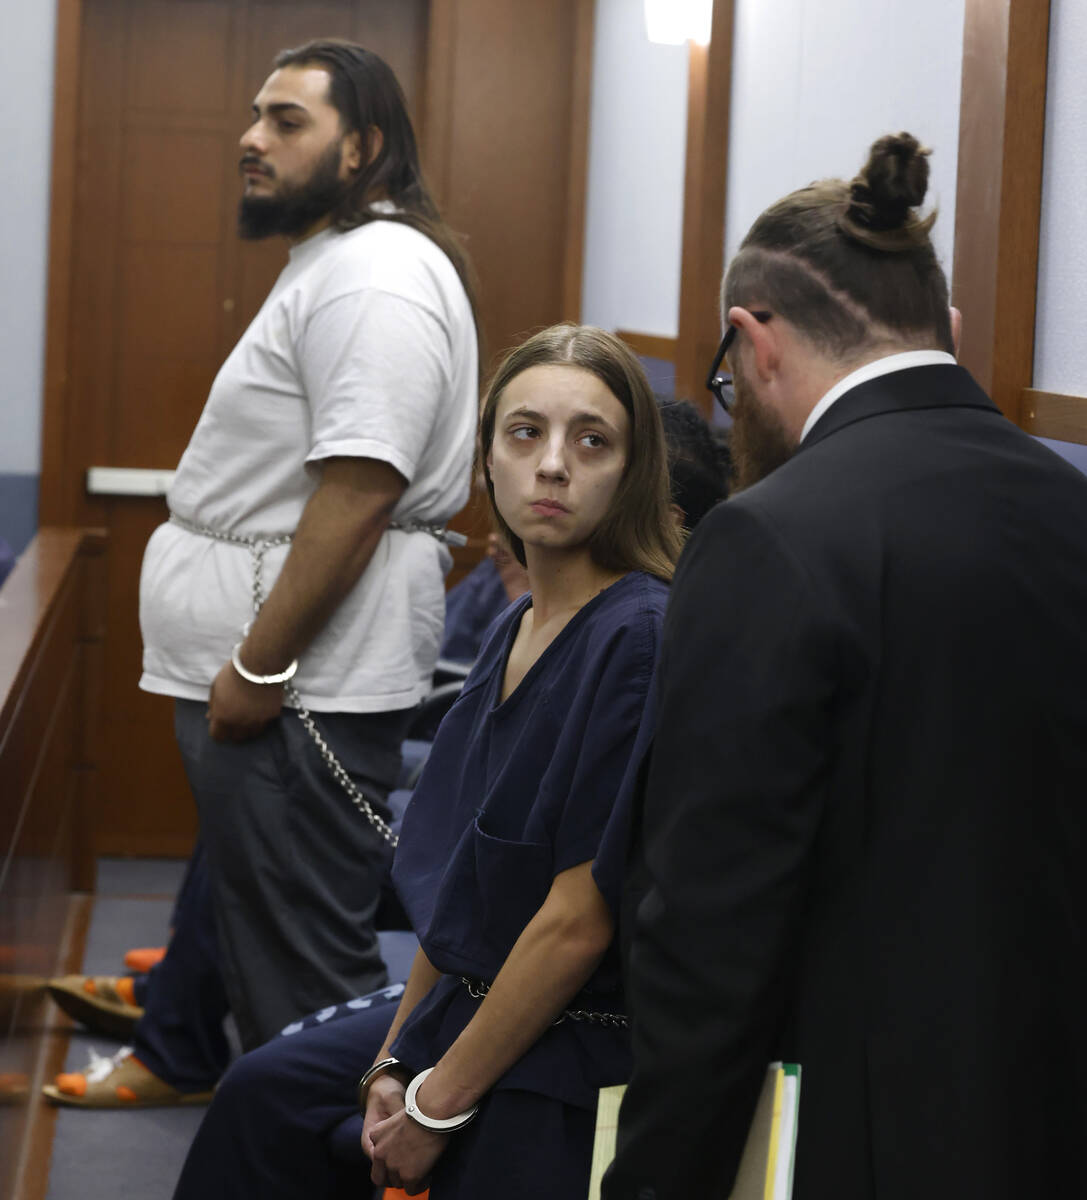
x=280, y=106
x=586, y=417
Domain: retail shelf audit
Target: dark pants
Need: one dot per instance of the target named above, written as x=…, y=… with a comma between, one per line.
x=180, y=1036
x=295, y=869
x=193, y=881
x=284, y=1126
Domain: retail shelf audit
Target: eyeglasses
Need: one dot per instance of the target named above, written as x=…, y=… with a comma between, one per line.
x=720, y=383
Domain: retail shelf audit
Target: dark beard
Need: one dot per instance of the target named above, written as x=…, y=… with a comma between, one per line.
x=294, y=208
x=758, y=442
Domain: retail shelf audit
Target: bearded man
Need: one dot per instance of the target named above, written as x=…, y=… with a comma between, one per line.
x=300, y=572
x=863, y=825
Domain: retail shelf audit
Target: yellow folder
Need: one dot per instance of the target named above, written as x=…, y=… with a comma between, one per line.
x=766, y=1166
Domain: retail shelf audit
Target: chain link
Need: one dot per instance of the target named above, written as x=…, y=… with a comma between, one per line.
x=338, y=772
x=258, y=544
x=478, y=988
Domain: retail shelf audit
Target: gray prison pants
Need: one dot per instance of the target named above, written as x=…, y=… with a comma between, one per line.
x=295, y=868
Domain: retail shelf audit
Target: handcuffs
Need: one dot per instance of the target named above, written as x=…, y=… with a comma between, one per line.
x=411, y=1106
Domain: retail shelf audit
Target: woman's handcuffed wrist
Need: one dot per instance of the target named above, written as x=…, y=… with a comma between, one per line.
x=435, y=1124
x=381, y=1067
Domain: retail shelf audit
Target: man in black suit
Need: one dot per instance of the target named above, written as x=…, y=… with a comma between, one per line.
x=865, y=817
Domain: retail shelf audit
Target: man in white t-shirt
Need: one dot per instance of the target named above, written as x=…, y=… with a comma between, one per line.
x=306, y=526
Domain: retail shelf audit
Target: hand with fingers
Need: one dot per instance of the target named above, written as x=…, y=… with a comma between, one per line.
x=239, y=710
x=403, y=1153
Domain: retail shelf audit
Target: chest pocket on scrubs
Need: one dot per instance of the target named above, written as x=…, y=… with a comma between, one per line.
x=513, y=879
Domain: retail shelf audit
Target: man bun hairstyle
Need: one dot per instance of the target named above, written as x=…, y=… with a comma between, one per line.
x=891, y=184
x=851, y=265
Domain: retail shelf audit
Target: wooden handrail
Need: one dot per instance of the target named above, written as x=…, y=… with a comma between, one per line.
x=1055, y=415
x=28, y=603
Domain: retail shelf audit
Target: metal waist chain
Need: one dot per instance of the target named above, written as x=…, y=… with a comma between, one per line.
x=258, y=544
x=478, y=988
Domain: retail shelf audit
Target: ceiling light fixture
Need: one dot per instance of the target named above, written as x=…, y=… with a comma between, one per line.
x=673, y=22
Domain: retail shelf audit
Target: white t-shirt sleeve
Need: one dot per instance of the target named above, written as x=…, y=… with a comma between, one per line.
x=374, y=368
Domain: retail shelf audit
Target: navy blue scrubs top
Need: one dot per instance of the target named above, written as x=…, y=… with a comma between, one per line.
x=513, y=793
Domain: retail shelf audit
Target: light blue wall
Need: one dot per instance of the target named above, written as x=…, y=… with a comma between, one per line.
x=637, y=159
x=1060, y=347
x=18, y=509
x=814, y=83
x=26, y=129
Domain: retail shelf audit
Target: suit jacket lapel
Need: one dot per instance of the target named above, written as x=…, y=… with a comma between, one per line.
x=917, y=388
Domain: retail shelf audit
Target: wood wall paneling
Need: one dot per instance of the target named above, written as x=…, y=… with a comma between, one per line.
x=433, y=129
x=1052, y=415
x=87, y=762
x=172, y=216
x=504, y=137
x=702, y=258
x=56, y=413
x=581, y=90
x=651, y=345
x=271, y=27
x=94, y=284
x=505, y=125
x=398, y=32
x=998, y=202
x=163, y=35
x=158, y=149
x=144, y=805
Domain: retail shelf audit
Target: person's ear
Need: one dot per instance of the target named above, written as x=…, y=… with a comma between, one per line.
x=375, y=142
x=956, y=329
x=762, y=338
x=351, y=153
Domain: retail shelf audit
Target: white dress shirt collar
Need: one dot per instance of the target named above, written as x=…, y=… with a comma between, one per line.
x=873, y=370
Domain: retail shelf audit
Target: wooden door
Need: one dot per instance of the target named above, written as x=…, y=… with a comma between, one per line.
x=150, y=287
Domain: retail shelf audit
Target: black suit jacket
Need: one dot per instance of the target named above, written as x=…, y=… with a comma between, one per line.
x=865, y=822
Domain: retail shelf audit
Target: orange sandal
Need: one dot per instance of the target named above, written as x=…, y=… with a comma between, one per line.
x=104, y=1003
x=121, y=1081
x=143, y=958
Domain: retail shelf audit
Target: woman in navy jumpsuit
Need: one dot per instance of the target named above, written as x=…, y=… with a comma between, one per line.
x=510, y=858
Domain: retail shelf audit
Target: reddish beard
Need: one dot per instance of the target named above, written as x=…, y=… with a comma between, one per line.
x=758, y=442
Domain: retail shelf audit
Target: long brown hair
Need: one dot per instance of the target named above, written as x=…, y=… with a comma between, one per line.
x=851, y=265
x=638, y=532
x=365, y=92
